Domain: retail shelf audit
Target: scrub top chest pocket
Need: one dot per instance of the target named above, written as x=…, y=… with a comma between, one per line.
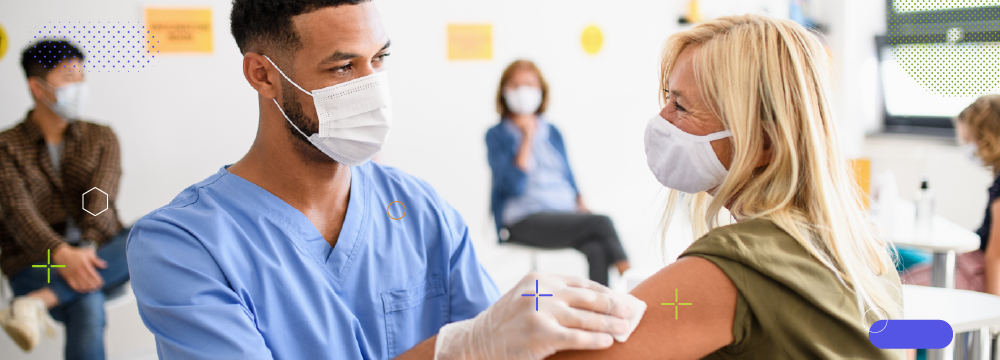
x=414, y=314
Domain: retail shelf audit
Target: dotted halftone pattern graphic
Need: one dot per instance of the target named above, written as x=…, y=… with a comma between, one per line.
x=119, y=46
x=950, y=47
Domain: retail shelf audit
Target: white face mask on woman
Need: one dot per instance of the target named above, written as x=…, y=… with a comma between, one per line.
x=971, y=152
x=682, y=161
x=523, y=100
x=354, y=117
x=70, y=100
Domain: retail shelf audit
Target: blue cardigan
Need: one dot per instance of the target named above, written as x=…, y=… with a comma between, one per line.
x=508, y=179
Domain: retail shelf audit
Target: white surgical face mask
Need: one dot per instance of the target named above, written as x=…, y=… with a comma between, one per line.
x=70, y=100
x=971, y=152
x=523, y=100
x=354, y=117
x=682, y=161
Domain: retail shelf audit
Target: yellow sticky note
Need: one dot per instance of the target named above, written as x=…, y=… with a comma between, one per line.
x=3, y=42
x=173, y=30
x=470, y=42
x=592, y=39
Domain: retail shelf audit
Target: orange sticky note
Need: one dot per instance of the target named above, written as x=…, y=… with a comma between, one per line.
x=174, y=30
x=470, y=42
x=863, y=174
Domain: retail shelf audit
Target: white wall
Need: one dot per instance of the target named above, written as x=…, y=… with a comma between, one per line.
x=601, y=102
x=181, y=121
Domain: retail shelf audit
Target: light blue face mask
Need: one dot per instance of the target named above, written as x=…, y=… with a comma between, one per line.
x=971, y=152
x=70, y=100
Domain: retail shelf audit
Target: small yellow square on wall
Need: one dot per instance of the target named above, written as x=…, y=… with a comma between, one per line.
x=173, y=30
x=470, y=41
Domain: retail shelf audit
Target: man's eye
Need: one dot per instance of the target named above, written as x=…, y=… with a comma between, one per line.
x=382, y=57
x=342, y=68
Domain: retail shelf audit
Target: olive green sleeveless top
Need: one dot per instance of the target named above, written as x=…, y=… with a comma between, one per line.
x=789, y=305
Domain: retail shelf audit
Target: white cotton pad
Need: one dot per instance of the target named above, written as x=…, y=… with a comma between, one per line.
x=638, y=308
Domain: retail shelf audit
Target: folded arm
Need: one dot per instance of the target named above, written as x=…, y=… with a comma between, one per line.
x=106, y=177
x=510, y=177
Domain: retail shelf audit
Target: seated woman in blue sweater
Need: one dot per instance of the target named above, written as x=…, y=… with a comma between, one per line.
x=535, y=200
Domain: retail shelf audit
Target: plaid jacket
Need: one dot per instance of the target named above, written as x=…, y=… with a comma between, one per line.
x=34, y=200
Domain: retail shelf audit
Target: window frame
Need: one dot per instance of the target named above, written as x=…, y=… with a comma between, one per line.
x=921, y=28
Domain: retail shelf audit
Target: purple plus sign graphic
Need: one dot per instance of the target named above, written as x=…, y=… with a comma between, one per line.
x=536, y=295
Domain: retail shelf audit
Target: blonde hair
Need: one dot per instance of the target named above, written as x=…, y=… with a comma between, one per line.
x=767, y=80
x=983, y=119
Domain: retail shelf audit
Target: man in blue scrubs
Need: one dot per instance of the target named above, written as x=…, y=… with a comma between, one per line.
x=300, y=250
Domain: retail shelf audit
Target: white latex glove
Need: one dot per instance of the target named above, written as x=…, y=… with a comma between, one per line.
x=580, y=315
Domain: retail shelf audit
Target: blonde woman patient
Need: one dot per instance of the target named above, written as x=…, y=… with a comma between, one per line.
x=746, y=127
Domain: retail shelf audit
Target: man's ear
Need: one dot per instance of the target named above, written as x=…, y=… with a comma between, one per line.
x=255, y=69
x=39, y=90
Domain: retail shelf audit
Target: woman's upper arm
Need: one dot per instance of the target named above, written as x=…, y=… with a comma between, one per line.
x=699, y=321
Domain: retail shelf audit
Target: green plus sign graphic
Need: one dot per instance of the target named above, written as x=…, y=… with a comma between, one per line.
x=49, y=266
x=676, y=304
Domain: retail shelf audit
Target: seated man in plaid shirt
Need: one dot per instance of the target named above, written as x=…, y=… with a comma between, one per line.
x=47, y=162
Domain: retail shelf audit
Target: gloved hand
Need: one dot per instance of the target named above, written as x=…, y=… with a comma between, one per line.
x=580, y=315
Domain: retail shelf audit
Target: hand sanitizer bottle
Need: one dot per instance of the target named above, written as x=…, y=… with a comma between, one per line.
x=924, y=202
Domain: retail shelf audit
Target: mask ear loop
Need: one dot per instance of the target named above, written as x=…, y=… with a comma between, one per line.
x=286, y=76
x=695, y=138
x=289, y=120
x=279, y=105
x=52, y=90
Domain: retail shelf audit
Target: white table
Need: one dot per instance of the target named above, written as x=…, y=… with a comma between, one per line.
x=967, y=311
x=945, y=241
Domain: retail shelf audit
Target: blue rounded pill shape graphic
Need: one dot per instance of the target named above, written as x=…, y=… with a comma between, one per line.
x=910, y=334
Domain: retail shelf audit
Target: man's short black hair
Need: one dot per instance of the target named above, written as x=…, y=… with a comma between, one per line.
x=40, y=58
x=266, y=25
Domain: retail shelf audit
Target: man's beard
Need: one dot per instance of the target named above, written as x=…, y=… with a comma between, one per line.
x=293, y=110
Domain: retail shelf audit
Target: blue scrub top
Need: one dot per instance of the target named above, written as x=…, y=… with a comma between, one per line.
x=229, y=271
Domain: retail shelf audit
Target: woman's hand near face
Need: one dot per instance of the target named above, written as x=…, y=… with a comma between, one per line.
x=527, y=127
x=523, y=158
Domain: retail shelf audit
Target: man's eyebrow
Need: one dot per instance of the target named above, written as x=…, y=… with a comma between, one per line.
x=339, y=56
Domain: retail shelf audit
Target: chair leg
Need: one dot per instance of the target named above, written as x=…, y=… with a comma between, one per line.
x=534, y=260
x=981, y=342
x=996, y=347
x=5, y=293
x=948, y=352
x=961, y=346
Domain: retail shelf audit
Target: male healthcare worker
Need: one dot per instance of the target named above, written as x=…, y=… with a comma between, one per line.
x=290, y=252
